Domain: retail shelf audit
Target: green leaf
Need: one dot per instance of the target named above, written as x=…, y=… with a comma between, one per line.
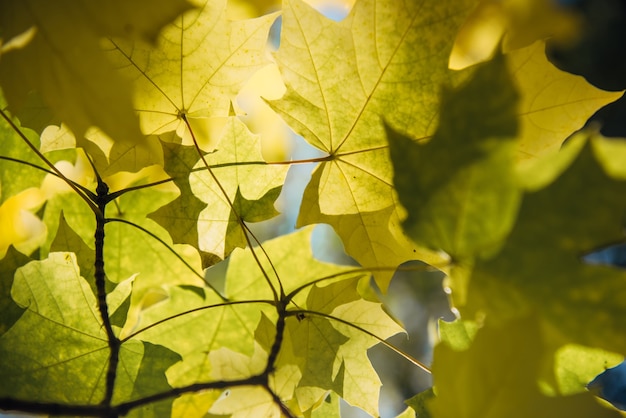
x=14, y=176
x=10, y=312
x=575, y=366
x=418, y=403
x=331, y=354
x=587, y=307
x=552, y=104
x=457, y=335
x=62, y=315
x=459, y=189
x=180, y=216
x=375, y=240
x=329, y=408
x=246, y=401
x=194, y=322
x=150, y=379
x=66, y=239
x=337, y=104
x=219, y=53
x=203, y=215
x=497, y=377
x=61, y=58
x=237, y=168
x=293, y=268
x=130, y=250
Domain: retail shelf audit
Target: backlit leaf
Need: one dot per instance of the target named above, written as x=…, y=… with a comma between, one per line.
x=587, y=307
x=221, y=54
x=63, y=61
x=553, y=104
x=497, y=377
x=239, y=179
x=338, y=93
x=459, y=189
x=62, y=315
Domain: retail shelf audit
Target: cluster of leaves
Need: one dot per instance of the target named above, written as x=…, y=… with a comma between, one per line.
x=117, y=192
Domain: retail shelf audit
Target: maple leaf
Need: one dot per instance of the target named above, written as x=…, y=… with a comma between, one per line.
x=240, y=186
x=57, y=52
x=135, y=245
x=245, y=279
x=587, y=307
x=497, y=377
x=16, y=177
x=575, y=366
x=108, y=157
x=552, y=103
x=375, y=240
x=459, y=189
x=220, y=224
x=351, y=374
x=212, y=322
x=10, y=312
x=61, y=307
x=336, y=92
x=181, y=215
x=312, y=341
x=66, y=239
x=336, y=95
x=221, y=54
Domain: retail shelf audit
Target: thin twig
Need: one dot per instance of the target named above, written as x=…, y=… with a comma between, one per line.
x=43, y=158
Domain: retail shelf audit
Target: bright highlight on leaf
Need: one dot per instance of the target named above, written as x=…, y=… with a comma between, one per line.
x=221, y=55
x=234, y=193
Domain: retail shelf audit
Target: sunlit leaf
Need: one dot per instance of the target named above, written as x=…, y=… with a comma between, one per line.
x=289, y=255
x=337, y=93
x=221, y=54
x=459, y=189
x=553, y=104
x=62, y=315
x=497, y=377
x=579, y=302
x=575, y=366
x=375, y=240
x=64, y=62
x=240, y=186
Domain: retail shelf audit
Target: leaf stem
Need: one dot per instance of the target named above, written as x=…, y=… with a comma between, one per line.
x=118, y=193
x=170, y=249
x=297, y=290
x=190, y=311
x=232, y=207
x=53, y=408
x=283, y=408
x=363, y=330
x=58, y=172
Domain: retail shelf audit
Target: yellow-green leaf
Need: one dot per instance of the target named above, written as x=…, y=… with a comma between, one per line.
x=459, y=189
x=578, y=302
x=497, y=377
x=219, y=53
x=385, y=60
x=60, y=57
x=238, y=180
